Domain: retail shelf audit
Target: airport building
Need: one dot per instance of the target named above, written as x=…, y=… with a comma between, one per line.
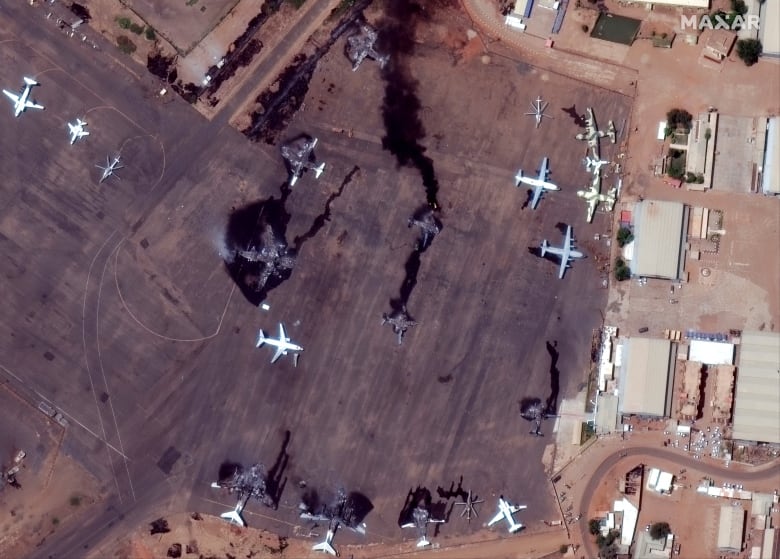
x=731, y=529
x=644, y=383
x=756, y=403
x=769, y=29
x=770, y=170
x=659, y=239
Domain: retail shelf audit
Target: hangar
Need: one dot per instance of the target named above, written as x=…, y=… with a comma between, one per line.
x=644, y=385
x=769, y=30
x=659, y=243
x=731, y=527
x=757, y=399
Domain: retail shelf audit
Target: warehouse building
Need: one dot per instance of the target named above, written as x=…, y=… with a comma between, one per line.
x=644, y=387
x=731, y=528
x=757, y=399
x=659, y=239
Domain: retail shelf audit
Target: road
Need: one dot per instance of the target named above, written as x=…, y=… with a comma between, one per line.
x=764, y=473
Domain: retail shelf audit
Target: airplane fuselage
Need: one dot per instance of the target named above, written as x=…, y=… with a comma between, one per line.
x=283, y=345
x=536, y=183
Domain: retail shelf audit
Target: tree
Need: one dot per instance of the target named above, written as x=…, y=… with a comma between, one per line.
x=739, y=7
x=125, y=44
x=624, y=236
x=150, y=34
x=585, y=28
x=660, y=530
x=679, y=118
x=123, y=22
x=690, y=177
x=749, y=50
x=594, y=526
x=622, y=271
x=563, y=548
x=707, y=134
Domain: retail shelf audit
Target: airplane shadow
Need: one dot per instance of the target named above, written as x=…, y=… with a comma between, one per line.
x=529, y=194
x=276, y=480
x=578, y=119
x=552, y=401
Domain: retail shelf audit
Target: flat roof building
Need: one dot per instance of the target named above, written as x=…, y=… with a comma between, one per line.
x=659, y=239
x=731, y=527
x=770, y=172
x=757, y=398
x=769, y=29
x=704, y=4
x=644, y=387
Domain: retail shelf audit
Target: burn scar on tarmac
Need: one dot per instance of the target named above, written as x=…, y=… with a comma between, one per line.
x=404, y=130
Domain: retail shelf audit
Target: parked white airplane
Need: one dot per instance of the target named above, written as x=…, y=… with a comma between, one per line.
x=538, y=108
x=112, y=165
x=566, y=252
x=327, y=545
x=234, y=516
x=540, y=183
x=505, y=512
x=282, y=345
x=77, y=130
x=22, y=101
x=593, y=164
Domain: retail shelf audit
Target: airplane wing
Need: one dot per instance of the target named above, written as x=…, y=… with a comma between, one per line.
x=13, y=97
x=282, y=336
x=592, y=203
x=565, y=253
x=544, y=169
x=277, y=355
x=497, y=518
x=537, y=196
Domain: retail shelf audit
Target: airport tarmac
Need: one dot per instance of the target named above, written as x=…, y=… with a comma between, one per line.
x=153, y=347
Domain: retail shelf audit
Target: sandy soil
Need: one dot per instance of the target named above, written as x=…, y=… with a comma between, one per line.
x=51, y=498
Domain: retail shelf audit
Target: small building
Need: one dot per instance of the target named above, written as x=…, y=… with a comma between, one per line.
x=711, y=353
x=659, y=239
x=659, y=481
x=703, y=4
x=770, y=168
x=756, y=403
x=731, y=528
x=769, y=29
x=644, y=387
x=719, y=44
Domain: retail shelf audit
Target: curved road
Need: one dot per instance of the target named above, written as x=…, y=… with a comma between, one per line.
x=760, y=473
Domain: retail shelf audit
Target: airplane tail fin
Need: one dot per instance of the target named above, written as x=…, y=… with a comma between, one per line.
x=318, y=170
x=544, y=247
x=326, y=545
x=260, y=338
x=30, y=81
x=514, y=528
x=423, y=542
x=233, y=517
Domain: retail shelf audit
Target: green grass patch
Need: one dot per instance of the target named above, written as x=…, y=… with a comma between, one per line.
x=296, y=3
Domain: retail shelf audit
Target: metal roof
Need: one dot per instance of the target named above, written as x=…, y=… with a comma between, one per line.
x=730, y=527
x=644, y=377
x=658, y=244
x=769, y=28
x=685, y=3
x=757, y=399
x=770, y=174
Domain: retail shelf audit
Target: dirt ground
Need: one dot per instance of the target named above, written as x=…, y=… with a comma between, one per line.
x=54, y=490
